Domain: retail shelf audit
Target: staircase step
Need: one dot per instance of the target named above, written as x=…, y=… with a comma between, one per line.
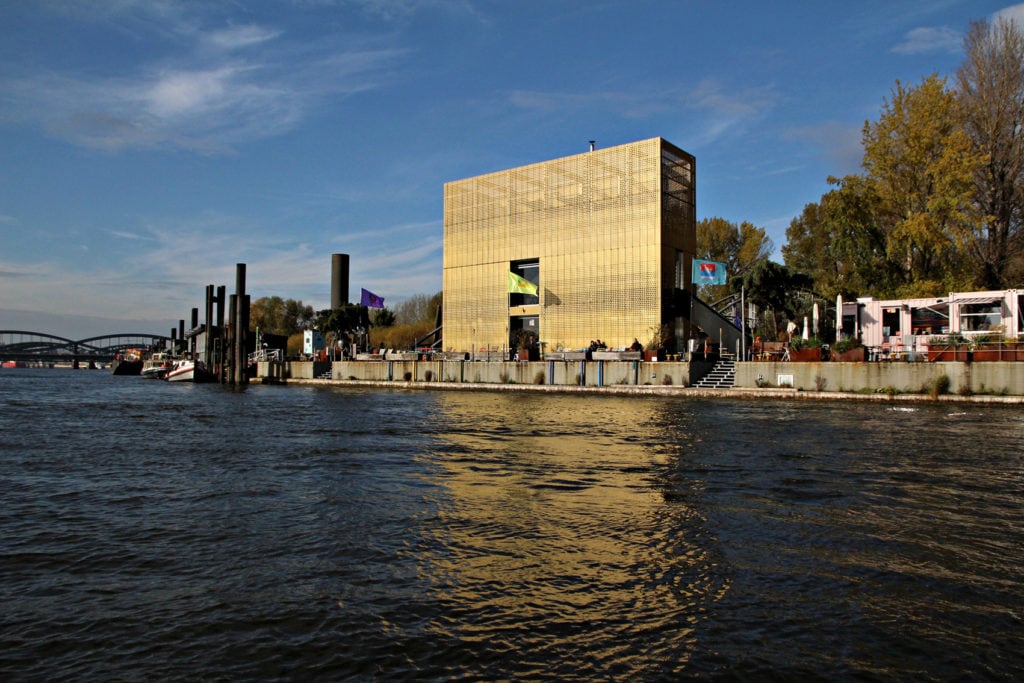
x=722, y=375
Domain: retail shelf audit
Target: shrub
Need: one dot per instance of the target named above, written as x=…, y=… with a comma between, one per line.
x=939, y=386
x=399, y=336
x=847, y=343
x=801, y=343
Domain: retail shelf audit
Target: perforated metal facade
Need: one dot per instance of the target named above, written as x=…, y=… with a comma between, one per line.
x=606, y=235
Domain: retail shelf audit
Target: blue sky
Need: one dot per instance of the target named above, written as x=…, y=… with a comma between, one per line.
x=147, y=146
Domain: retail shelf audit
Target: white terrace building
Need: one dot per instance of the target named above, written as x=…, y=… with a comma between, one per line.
x=904, y=326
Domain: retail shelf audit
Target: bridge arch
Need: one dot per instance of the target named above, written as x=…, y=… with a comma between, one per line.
x=41, y=346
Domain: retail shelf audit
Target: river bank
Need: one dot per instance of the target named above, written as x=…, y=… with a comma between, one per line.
x=655, y=390
x=886, y=381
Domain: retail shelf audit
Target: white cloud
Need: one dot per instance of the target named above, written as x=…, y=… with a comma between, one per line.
x=927, y=40
x=181, y=93
x=1014, y=12
x=238, y=37
x=207, y=97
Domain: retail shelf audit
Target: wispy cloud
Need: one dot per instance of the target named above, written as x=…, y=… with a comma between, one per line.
x=237, y=37
x=719, y=109
x=565, y=104
x=839, y=142
x=219, y=88
x=928, y=40
x=726, y=110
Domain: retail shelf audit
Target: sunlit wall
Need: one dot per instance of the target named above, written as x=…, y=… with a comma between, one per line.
x=606, y=235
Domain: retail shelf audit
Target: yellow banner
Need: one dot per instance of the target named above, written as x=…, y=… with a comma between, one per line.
x=518, y=284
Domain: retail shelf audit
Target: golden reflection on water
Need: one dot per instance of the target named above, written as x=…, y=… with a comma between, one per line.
x=556, y=530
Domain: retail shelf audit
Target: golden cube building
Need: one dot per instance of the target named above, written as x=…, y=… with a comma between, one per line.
x=607, y=236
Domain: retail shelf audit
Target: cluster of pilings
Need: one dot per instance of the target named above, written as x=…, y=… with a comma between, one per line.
x=223, y=342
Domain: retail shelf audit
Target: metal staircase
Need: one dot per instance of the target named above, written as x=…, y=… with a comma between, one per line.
x=722, y=376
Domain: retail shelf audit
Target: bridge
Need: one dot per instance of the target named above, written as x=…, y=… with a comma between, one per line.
x=21, y=345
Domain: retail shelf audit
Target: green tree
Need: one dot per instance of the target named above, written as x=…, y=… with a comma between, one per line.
x=991, y=88
x=346, y=322
x=776, y=290
x=740, y=247
x=382, y=317
x=841, y=244
x=275, y=315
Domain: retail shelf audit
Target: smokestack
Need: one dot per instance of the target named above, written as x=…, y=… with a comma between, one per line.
x=339, y=280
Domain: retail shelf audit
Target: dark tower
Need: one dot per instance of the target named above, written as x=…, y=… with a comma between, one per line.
x=339, y=280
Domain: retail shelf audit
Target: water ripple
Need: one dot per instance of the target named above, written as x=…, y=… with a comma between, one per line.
x=182, y=533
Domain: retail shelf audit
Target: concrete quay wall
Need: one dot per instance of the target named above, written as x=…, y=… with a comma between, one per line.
x=1004, y=378
x=550, y=372
x=964, y=378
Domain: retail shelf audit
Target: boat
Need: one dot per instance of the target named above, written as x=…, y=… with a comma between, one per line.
x=156, y=366
x=188, y=370
x=127, y=363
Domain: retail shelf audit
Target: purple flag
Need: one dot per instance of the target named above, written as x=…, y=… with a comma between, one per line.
x=371, y=300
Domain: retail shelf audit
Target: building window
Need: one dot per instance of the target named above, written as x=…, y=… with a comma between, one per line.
x=930, y=319
x=890, y=322
x=980, y=317
x=529, y=269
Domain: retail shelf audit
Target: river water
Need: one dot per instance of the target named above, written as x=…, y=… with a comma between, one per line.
x=190, y=532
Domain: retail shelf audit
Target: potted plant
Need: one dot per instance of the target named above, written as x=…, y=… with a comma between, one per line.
x=849, y=350
x=525, y=343
x=805, y=350
x=947, y=347
x=655, y=347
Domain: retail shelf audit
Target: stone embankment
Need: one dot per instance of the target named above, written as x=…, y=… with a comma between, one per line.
x=885, y=381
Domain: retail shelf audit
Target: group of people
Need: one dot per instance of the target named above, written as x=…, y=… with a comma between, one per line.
x=598, y=345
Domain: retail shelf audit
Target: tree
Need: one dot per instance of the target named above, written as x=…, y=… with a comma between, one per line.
x=776, y=290
x=740, y=247
x=417, y=308
x=275, y=315
x=382, y=317
x=347, y=321
x=841, y=244
x=991, y=88
x=809, y=248
x=922, y=165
